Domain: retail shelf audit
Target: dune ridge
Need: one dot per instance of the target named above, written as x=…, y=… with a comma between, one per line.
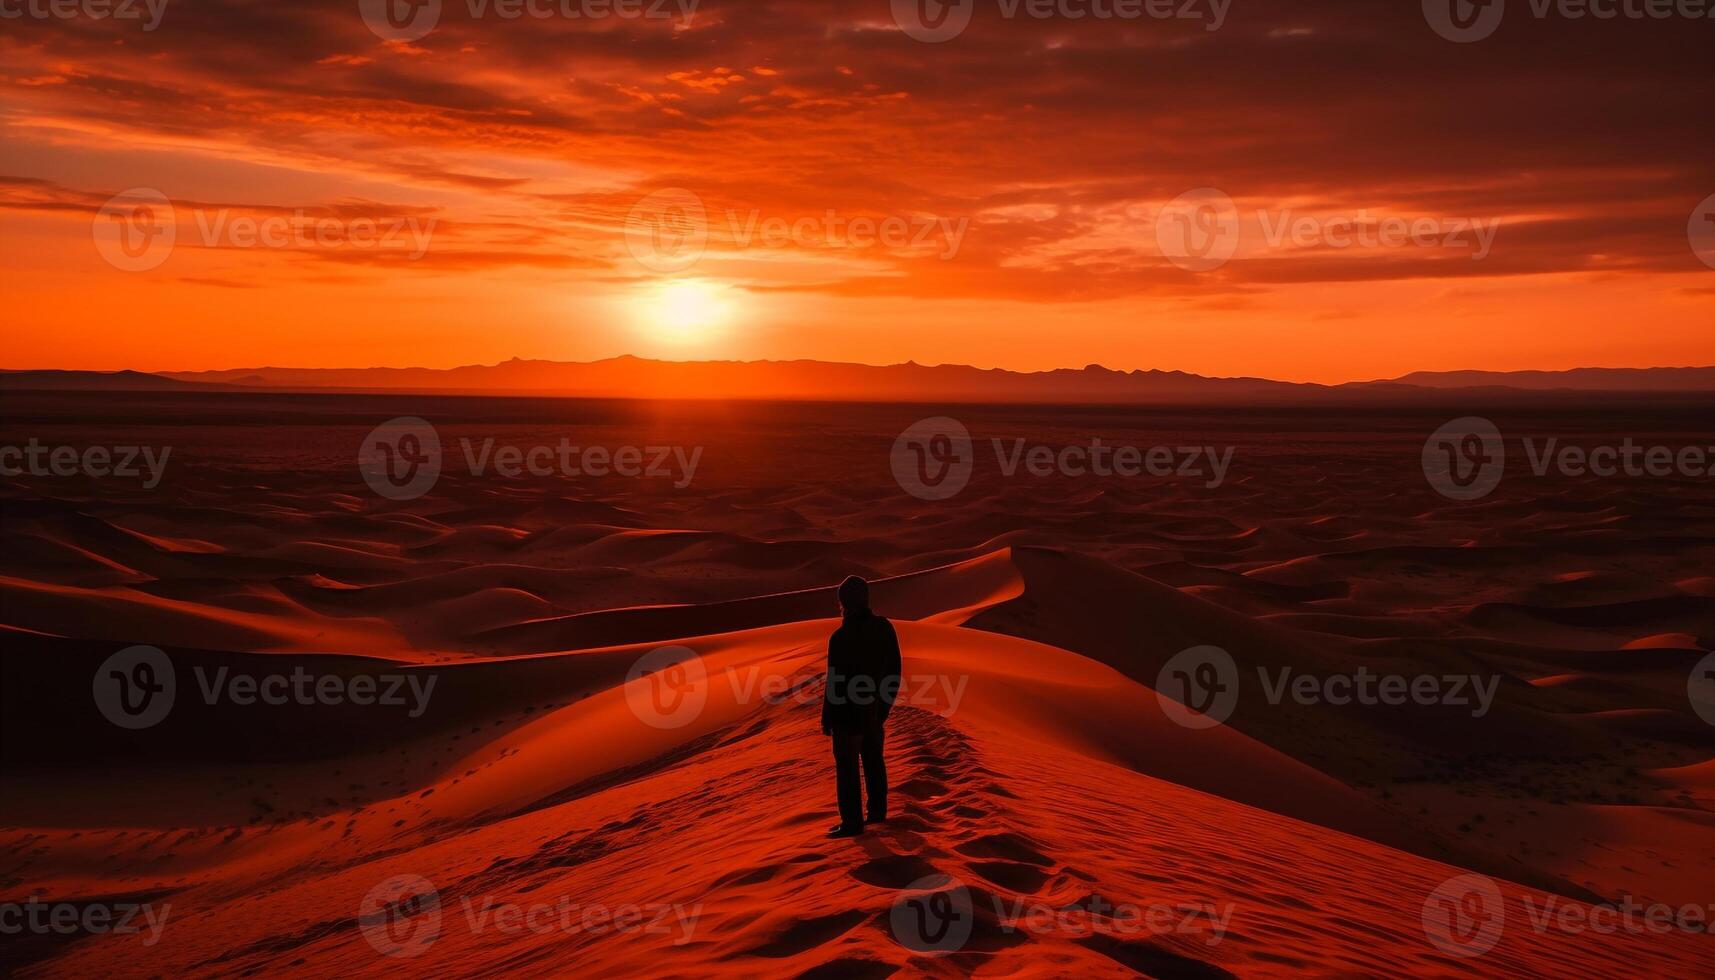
x=1035, y=761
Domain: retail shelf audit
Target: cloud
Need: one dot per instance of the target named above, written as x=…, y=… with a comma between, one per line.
x=1056, y=140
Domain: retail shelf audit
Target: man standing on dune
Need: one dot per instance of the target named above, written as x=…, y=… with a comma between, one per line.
x=863, y=680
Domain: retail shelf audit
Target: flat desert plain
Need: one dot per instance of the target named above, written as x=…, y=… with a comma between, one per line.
x=567, y=723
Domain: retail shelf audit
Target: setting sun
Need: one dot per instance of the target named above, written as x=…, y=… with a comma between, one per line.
x=857, y=488
x=685, y=310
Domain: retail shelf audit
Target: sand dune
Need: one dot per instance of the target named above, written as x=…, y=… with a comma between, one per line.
x=1035, y=762
x=1036, y=793
x=719, y=835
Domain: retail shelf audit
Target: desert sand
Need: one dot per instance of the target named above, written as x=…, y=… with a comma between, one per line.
x=1035, y=767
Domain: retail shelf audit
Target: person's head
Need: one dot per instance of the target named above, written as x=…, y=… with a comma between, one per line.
x=854, y=596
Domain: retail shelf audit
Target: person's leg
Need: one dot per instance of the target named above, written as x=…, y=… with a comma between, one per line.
x=847, y=748
x=875, y=769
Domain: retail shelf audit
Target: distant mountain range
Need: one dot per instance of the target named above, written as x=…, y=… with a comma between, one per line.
x=1580, y=379
x=107, y=380
x=634, y=377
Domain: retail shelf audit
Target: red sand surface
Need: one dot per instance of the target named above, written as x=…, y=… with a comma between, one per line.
x=1034, y=767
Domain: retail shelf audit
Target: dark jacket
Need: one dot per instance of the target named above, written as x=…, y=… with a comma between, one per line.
x=863, y=674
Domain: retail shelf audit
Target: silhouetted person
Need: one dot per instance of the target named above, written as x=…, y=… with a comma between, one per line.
x=863, y=680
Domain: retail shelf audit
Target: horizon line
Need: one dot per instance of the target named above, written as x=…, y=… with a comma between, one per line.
x=1093, y=366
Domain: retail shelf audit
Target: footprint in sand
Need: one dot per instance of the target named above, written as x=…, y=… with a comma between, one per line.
x=1012, y=875
x=894, y=871
x=921, y=789
x=808, y=934
x=1152, y=959
x=1005, y=846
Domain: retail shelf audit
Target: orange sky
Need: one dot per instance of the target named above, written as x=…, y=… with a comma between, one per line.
x=1005, y=198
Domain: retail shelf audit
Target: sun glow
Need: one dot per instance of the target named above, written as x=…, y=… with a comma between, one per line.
x=685, y=310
